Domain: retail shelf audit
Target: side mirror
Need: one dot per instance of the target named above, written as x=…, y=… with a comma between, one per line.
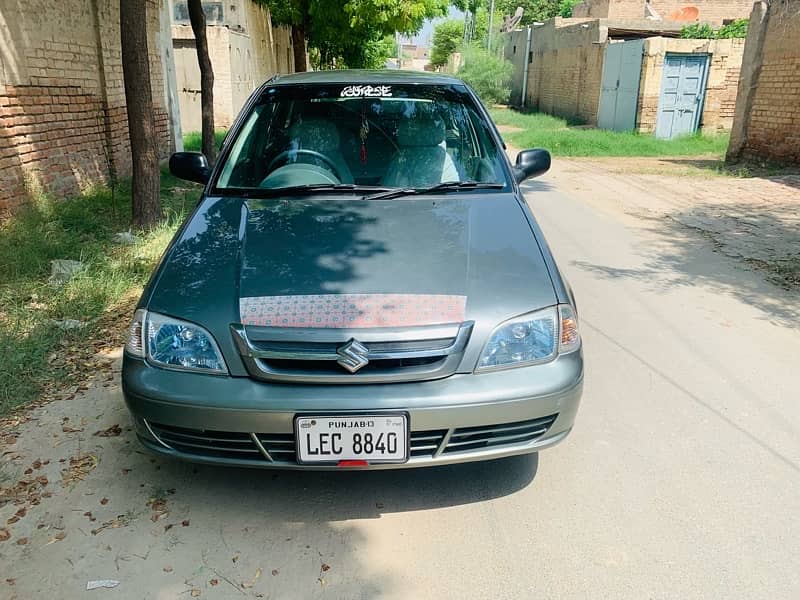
x=531, y=163
x=191, y=166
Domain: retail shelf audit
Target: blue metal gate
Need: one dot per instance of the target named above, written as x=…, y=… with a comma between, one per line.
x=683, y=89
x=619, y=90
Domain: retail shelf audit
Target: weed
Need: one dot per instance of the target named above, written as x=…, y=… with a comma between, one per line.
x=561, y=138
x=193, y=141
x=32, y=345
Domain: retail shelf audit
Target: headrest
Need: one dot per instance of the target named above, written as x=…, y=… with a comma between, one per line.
x=315, y=134
x=420, y=130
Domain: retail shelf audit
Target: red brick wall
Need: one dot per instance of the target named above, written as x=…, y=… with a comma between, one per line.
x=773, y=128
x=63, y=123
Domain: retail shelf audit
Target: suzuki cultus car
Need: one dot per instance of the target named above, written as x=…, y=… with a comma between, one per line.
x=361, y=285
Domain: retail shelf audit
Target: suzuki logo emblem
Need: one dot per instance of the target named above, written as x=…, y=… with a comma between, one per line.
x=353, y=355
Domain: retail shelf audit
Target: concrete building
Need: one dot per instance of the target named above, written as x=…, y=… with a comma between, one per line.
x=245, y=50
x=715, y=12
x=63, y=122
x=626, y=75
x=767, y=121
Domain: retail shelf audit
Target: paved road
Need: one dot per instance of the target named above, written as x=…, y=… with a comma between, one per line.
x=681, y=479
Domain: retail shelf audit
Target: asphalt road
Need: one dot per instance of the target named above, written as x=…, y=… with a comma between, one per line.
x=680, y=480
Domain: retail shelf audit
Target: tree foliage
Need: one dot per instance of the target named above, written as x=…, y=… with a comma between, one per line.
x=353, y=33
x=533, y=10
x=704, y=31
x=447, y=36
x=487, y=73
x=565, y=7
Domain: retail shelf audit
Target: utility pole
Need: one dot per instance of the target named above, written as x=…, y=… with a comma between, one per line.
x=491, y=18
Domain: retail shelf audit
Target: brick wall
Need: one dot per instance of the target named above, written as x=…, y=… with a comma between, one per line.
x=710, y=11
x=63, y=122
x=772, y=127
x=725, y=61
x=564, y=77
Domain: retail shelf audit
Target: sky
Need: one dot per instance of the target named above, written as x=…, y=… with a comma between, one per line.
x=425, y=35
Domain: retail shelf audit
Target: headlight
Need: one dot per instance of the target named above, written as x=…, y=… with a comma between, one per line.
x=532, y=338
x=173, y=344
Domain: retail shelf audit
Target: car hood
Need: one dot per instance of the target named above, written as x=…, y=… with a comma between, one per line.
x=476, y=246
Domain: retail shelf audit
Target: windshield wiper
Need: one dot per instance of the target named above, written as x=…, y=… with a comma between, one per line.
x=447, y=186
x=299, y=190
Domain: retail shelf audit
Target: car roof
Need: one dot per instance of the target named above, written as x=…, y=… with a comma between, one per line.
x=365, y=76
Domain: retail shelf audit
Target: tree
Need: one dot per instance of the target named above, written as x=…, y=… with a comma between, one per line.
x=565, y=7
x=146, y=182
x=533, y=10
x=351, y=33
x=447, y=36
x=293, y=13
x=198, y=21
x=487, y=73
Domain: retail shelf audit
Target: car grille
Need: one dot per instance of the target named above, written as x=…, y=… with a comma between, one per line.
x=466, y=439
x=314, y=355
x=279, y=448
x=214, y=444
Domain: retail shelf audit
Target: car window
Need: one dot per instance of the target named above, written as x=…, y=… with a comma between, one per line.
x=385, y=136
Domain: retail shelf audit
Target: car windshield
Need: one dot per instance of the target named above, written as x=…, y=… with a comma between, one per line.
x=361, y=136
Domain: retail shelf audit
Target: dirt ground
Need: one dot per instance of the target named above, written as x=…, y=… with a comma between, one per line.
x=681, y=483
x=753, y=219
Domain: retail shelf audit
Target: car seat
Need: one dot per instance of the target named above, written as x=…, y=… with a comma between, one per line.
x=323, y=137
x=422, y=159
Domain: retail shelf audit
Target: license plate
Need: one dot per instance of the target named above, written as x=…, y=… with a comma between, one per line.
x=373, y=438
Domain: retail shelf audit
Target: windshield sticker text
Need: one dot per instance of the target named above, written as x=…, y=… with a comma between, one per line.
x=367, y=91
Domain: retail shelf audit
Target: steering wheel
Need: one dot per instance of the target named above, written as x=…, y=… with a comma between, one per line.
x=313, y=153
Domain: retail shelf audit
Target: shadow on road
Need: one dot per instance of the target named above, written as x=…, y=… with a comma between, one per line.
x=789, y=176
x=766, y=238
x=535, y=185
x=342, y=495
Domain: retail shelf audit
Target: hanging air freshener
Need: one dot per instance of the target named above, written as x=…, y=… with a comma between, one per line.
x=362, y=134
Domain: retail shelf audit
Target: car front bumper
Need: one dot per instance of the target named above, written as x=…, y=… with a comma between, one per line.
x=224, y=420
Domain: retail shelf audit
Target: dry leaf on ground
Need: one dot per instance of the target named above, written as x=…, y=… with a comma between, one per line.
x=116, y=523
x=159, y=508
x=112, y=431
x=252, y=582
x=79, y=467
x=57, y=538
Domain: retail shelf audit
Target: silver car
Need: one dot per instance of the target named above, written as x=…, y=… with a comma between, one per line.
x=361, y=285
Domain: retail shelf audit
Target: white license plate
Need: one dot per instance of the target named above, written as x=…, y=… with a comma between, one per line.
x=372, y=438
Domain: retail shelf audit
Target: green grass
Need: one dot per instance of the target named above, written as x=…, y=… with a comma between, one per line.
x=562, y=138
x=80, y=228
x=192, y=141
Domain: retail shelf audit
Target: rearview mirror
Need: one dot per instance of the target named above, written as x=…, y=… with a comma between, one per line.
x=531, y=163
x=191, y=166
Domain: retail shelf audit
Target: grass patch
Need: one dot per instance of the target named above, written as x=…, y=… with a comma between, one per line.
x=34, y=351
x=193, y=141
x=561, y=138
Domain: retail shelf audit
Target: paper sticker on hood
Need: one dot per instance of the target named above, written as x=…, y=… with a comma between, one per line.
x=336, y=311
